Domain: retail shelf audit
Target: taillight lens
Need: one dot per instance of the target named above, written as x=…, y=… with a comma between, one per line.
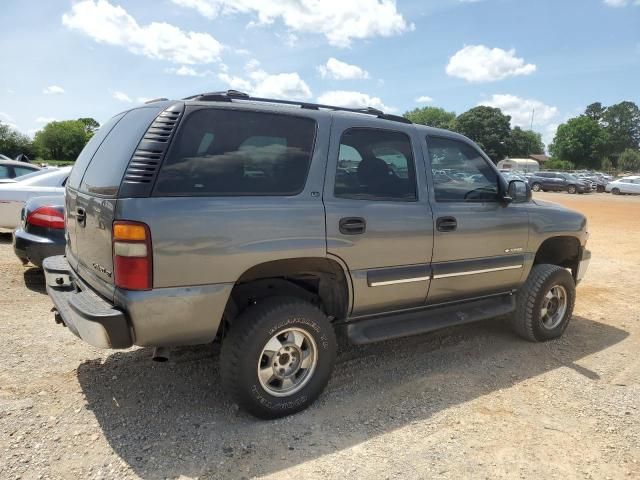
x=132, y=260
x=48, y=217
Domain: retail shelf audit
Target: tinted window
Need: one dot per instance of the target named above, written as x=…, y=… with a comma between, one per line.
x=375, y=165
x=460, y=173
x=4, y=172
x=89, y=149
x=23, y=171
x=107, y=167
x=230, y=152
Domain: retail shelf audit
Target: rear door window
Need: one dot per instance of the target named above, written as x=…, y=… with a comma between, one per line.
x=220, y=152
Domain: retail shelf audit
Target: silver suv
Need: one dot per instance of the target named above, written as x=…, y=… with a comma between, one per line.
x=272, y=226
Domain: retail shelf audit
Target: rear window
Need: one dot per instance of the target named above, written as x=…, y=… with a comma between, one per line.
x=107, y=168
x=89, y=150
x=220, y=152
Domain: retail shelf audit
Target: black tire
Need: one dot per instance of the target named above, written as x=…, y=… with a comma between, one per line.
x=600, y=188
x=242, y=351
x=536, y=187
x=615, y=191
x=527, y=319
x=572, y=189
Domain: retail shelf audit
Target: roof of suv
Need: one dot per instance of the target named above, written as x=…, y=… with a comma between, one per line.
x=243, y=100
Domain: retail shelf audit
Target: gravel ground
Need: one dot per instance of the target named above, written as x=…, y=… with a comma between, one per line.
x=472, y=402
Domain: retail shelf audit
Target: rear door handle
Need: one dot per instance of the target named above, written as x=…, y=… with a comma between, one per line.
x=446, y=224
x=352, y=225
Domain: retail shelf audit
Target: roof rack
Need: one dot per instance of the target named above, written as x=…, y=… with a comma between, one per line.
x=229, y=95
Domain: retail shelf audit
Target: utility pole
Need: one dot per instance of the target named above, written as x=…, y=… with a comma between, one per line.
x=533, y=114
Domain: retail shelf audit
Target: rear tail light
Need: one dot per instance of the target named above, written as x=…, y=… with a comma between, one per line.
x=48, y=217
x=132, y=260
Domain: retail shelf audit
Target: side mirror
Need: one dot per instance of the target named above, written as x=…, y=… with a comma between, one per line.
x=518, y=191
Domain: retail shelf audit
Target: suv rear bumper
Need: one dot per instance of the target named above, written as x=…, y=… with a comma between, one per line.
x=85, y=313
x=161, y=317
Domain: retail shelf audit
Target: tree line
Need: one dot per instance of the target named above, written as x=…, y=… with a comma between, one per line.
x=58, y=140
x=601, y=138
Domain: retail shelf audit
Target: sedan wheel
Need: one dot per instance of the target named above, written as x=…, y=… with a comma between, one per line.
x=616, y=191
x=571, y=189
x=536, y=187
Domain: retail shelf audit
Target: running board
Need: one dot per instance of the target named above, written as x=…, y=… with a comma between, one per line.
x=387, y=327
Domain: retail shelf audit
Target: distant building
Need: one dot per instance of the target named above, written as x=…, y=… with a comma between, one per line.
x=541, y=159
x=519, y=164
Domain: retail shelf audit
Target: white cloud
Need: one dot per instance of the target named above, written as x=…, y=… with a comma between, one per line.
x=252, y=64
x=45, y=119
x=424, y=99
x=121, y=97
x=338, y=70
x=351, y=99
x=545, y=117
x=53, y=90
x=261, y=84
x=478, y=63
x=185, y=71
x=8, y=120
x=339, y=21
x=621, y=3
x=112, y=25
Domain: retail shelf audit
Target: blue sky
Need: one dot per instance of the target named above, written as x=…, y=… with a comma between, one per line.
x=67, y=59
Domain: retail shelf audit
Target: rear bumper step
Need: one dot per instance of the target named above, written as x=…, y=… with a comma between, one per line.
x=82, y=311
x=425, y=320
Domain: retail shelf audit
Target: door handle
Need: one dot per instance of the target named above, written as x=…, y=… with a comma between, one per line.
x=352, y=225
x=81, y=215
x=446, y=224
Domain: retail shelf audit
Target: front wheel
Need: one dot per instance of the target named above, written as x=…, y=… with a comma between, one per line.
x=536, y=187
x=544, y=303
x=615, y=191
x=572, y=189
x=277, y=357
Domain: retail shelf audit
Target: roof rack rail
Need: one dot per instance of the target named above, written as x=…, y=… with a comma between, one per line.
x=229, y=95
x=154, y=100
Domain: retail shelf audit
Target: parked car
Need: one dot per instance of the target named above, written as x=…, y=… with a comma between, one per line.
x=626, y=185
x=270, y=227
x=41, y=231
x=558, y=182
x=14, y=195
x=10, y=169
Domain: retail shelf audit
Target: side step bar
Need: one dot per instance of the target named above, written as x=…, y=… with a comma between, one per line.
x=387, y=327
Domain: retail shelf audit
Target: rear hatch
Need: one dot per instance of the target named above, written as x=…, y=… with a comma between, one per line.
x=92, y=193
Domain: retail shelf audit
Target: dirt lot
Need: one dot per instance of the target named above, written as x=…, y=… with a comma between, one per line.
x=473, y=402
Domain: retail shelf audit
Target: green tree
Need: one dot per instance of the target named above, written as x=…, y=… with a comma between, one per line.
x=581, y=141
x=622, y=124
x=12, y=142
x=62, y=140
x=606, y=165
x=595, y=111
x=629, y=160
x=557, y=164
x=522, y=143
x=432, y=117
x=488, y=127
x=91, y=125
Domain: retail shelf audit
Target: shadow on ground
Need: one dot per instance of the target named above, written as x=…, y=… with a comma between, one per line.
x=34, y=280
x=5, y=237
x=171, y=419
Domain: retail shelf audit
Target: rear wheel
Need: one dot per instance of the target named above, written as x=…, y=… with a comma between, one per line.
x=277, y=357
x=544, y=303
x=536, y=187
x=615, y=191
